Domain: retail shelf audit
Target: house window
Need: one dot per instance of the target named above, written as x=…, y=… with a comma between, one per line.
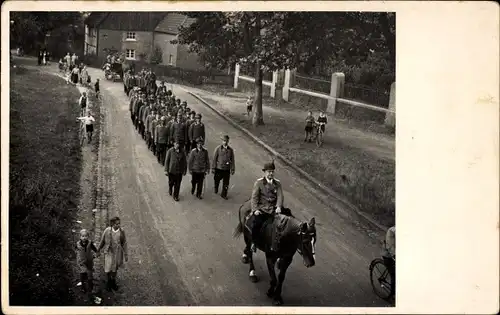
x=170, y=59
x=130, y=54
x=130, y=36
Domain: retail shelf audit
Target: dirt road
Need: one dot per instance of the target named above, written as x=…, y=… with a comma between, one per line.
x=183, y=253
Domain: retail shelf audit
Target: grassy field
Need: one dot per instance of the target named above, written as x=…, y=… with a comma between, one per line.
x=366, y=180
x=45, y=166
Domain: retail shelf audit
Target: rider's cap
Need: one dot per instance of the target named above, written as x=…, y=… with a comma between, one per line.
x=225, y=137
x=269, y=167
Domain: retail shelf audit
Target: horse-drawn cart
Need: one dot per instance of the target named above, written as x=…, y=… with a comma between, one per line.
x=114, y=72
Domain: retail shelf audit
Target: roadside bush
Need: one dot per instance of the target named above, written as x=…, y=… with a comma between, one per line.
x=44, y=174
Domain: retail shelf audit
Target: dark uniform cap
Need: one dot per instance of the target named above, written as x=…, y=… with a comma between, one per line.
x=199, y=140
x=269, y=167
x=225, y=137
x=198, y=116
x=193, y=112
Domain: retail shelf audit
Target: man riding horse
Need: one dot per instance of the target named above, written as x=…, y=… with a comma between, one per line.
x=267, y=224
x=267, y=200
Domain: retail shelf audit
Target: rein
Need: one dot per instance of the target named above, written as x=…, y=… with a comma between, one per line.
x=300, y=248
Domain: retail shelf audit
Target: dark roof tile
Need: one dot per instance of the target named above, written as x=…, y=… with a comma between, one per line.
x=132, y=21
x=171, y=23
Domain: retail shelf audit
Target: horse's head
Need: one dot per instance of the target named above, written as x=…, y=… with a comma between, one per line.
x=307, y=244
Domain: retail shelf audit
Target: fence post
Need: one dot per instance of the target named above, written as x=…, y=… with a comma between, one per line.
x=390, y=118
x=336, y=90
x=286, y=85
x=236, y=75
x=273, y=84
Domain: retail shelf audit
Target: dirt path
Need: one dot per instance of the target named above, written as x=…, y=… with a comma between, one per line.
x=183, y=253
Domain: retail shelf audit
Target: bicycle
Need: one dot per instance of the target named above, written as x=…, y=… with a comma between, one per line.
x=381, y=279
x=319, y=135
x=83, y=132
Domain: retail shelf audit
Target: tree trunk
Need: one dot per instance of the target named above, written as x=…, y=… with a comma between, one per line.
x=258, y=118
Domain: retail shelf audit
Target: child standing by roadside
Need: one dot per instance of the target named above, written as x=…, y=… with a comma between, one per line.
x=310, y=121
x=322, y=120
x=96, y=86
x=85, y=260
x=249, y=105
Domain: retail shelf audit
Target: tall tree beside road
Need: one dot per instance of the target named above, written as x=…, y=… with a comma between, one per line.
x=276, y=40
x=256, y=38
x=28, y=29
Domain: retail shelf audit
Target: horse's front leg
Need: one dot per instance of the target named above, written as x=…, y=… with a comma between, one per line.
x=271, y=261
x=247, y=258
x=285, y=263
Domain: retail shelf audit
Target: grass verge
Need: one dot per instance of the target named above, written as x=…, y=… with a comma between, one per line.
x=367, y=181
x=45, y=166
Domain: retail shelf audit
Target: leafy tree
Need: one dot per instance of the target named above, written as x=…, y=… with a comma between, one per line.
x=270, y=41
x=256, y=38
x=28, y=29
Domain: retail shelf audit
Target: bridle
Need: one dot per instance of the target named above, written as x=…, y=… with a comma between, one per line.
x=300, y=248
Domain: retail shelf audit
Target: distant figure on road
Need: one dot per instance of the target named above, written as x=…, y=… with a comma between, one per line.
x=40, y=57
x=67, y=59
x=175, y=168
x=322, y=120
x=310, y=121
x=83, y=102
x=74, y=58
x=223, y=166
x=267, y=199
x=199, y=166
x=96, y=87
x=114, y=245
x=74, y=75
x=249, y=105
x=89, y=125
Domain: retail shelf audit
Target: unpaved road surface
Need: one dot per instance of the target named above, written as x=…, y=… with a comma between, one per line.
x=183, y=253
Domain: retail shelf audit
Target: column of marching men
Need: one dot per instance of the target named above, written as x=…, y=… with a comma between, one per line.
x=175, y=134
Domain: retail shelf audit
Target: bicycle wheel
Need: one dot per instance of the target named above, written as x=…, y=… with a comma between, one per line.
x=82, y=134
x=380, y=279
x=319, y=139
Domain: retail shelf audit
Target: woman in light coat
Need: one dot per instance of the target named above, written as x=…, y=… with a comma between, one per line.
x=114, y=247
x=84, y=76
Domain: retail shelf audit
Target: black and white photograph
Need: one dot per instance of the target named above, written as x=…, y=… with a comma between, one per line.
x=202, y=158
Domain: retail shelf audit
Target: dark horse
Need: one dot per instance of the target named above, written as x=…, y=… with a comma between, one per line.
x=294, y=236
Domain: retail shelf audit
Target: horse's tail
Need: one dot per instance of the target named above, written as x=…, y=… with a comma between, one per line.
x=239, y=228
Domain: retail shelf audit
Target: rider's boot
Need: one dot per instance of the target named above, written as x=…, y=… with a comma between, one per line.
x=253, y=247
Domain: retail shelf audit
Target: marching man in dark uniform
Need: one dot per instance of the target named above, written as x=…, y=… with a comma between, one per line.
x=267, y=199
x=199, y=166
x=196, y=130
x=161, y=139
x=175, y=168
x=178, y=131
x=223, y=166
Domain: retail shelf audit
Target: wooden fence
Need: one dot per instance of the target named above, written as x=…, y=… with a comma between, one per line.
x=335, y=93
